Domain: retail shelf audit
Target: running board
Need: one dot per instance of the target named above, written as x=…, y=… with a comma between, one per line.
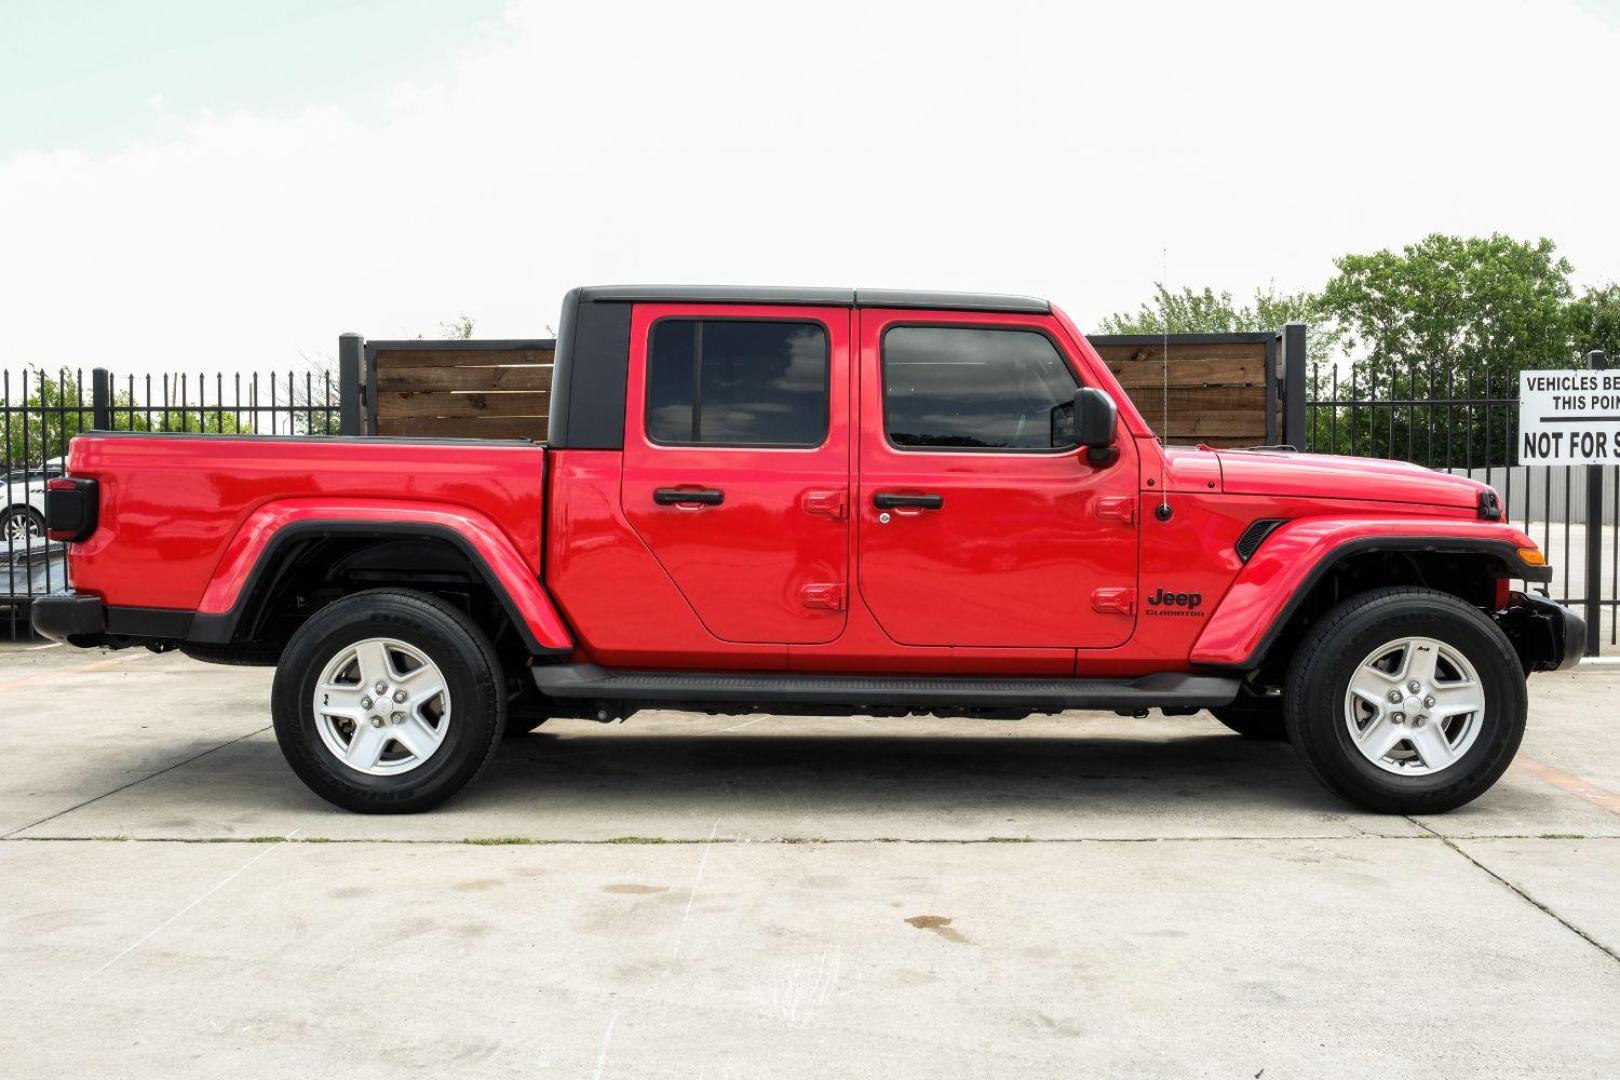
x=1164, y=689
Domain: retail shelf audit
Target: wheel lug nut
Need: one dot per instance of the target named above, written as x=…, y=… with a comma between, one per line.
x=382, y=687
x=1419, y=721
x=1414, y=686
x=399, y=697
x=1399, y=718
x=1428, y=702
x=397, y=718
x=365, y=703
x=376, y=721
x=1395, y=696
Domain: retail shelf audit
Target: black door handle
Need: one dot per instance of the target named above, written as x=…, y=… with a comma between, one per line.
x=675, y=496
x=888, y=500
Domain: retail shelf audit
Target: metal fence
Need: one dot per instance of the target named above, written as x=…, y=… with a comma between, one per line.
x=1419, y=416
x=1426, y=418
x=41, y=411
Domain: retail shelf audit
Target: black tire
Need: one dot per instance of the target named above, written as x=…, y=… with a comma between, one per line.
x=1255, y=717
x=1319, y=677
x=472, y=676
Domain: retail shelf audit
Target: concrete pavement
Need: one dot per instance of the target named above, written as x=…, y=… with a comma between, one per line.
x=762, y=897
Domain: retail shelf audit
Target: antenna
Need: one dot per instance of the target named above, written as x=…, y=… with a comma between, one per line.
x=1163, y=512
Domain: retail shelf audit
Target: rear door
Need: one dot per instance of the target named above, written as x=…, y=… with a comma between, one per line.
x=980, y=523
x=737, y=463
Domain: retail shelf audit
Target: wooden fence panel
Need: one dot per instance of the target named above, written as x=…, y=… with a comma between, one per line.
x=1218, y=387
x=463, y=390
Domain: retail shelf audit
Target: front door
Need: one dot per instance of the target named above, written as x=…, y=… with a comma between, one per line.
x=736, y=463
x=980, y=523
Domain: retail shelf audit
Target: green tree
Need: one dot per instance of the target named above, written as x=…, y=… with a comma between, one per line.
x=1595, y=323
x=1448, y=317
x=1205, y=311
x=1450, y=310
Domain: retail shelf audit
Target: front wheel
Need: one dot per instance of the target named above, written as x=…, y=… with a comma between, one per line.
x=388, y=702
x=1406, y=701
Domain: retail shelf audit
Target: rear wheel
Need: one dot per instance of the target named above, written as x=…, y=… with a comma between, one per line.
x=388, y=701
x=1406, y=701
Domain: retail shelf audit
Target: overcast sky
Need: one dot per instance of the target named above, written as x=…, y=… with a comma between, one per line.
x=200, y=185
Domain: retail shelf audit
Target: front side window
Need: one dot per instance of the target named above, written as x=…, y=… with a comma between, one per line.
x=972, y=388
x=737, y=382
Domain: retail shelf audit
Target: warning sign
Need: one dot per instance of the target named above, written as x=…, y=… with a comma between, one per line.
x=1569, y=417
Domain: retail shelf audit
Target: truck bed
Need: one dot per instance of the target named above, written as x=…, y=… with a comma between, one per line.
x=171, y=505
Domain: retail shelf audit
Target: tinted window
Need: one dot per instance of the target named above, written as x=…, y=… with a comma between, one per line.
x=967, y=388
x=737, y=382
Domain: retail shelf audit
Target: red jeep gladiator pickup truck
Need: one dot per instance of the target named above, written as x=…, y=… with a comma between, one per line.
x=816, y=501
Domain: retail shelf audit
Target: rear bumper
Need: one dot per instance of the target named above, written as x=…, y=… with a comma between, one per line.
x=70, y=618
x=1547, y=635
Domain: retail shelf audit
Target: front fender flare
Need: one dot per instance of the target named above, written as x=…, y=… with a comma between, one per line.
x=1275, y=582
x=252, y=553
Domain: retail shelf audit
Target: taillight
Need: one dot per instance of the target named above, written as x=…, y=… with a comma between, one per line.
x=71, y=505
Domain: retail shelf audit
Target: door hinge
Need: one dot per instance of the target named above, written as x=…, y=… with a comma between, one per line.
x=833, y=504
x=828, y=596
x=1114, y=601
x=1118, y=508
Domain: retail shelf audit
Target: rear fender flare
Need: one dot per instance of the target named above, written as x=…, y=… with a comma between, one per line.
x=254, y=552
x=1272, y=585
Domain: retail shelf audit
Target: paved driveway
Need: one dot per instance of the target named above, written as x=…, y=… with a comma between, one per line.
x=758, y=897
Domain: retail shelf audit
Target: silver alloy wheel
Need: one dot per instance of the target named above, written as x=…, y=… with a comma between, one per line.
x=382, y=707
x=22, y=527
x=1414, y=706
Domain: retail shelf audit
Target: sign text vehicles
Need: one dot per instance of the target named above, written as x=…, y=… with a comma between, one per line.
x=1569, y=417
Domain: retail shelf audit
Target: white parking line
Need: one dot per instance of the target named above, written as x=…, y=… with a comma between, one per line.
x=232, y=876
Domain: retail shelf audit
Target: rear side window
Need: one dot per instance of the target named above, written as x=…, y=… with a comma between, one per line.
x=737, y=382
x=971, y=388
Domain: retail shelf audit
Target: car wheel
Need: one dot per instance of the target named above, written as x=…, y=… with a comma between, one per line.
x=1254, y=717
x=22, y=525
x=388, y=702
x=1406, y=701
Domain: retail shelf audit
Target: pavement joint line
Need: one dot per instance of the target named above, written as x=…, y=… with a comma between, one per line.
x=1427, y=836
x=125, y=787
x=1523, y=894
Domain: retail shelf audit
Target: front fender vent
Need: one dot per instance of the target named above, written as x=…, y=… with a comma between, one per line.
x=1255, y=535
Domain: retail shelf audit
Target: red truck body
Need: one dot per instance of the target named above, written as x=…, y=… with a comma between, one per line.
x=857, y=553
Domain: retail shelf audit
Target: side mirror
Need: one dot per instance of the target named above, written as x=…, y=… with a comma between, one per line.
x=1095, y=419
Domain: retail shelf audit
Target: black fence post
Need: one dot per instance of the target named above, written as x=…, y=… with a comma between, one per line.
x=1294, y=385
x=1594, y=538
x=100, y=400
x=350, y=348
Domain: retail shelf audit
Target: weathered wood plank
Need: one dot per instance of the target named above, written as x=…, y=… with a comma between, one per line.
x=420, y=358
x=461, y=427
x=1185, y=371
x=416, y=380
x=1226, y=350
x=437, y=403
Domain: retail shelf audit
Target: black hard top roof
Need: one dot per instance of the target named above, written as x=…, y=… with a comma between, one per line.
x=767, y=294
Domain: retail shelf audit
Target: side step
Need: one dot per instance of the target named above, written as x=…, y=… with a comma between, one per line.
x=1173, y=689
